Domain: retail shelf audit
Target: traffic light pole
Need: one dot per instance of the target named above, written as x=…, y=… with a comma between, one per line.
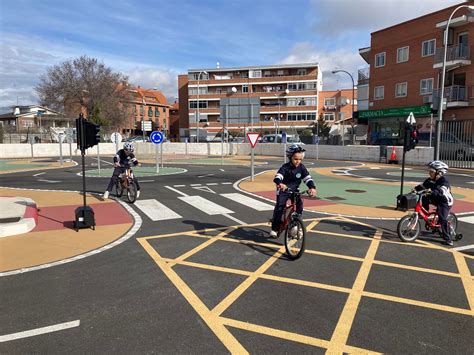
x=83, y=144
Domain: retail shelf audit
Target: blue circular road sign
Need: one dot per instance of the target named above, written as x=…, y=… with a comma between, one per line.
x=156, y=137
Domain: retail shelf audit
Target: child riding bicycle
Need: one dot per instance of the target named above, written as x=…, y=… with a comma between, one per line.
x=289, y=176
x=122, y=161
x=440, y=195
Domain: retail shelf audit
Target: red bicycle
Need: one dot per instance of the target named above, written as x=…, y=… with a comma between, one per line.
x=293, y=226
x=409, y=228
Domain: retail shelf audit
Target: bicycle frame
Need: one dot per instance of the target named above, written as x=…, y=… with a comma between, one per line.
x=432, y=223
x=125, y=176
x=289, y=209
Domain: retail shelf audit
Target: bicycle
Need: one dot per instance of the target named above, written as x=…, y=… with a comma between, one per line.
x=125, y=182
x=293, y=226
x=408, y=228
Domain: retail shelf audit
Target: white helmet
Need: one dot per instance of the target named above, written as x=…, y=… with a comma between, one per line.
x=439, y=166
x=128, y=146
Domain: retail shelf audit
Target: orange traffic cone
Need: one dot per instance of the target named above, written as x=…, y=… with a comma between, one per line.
x=393, y=157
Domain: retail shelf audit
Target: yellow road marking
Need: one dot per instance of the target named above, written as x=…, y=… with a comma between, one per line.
x=465, y=277
x=344, y=325
x=239, y=290
x=214, y=323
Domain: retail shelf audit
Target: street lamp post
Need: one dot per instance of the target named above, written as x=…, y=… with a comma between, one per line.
x=352, y=117
x=443, y=76
x=198, y=116
x=143, y=118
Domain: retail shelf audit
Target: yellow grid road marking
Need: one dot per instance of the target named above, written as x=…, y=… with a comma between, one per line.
x=338, y=341
x=344, y=325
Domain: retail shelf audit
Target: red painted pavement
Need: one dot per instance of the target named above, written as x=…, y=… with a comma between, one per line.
x=462, y=206
x=59, y=217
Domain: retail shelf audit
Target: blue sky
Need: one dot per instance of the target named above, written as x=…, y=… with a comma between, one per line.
x=153, y=41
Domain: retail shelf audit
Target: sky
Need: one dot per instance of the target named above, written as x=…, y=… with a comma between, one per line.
x=153, y=41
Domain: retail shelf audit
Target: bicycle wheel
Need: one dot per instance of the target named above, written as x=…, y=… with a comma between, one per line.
x=131, y=191
x=295, y=238
x=453, y=224
x=118, y=188
x=408, y=228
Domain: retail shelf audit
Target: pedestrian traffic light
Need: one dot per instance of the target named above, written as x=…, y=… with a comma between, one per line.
x=411, y=137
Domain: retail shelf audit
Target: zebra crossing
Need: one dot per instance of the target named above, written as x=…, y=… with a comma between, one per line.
x=229, y=203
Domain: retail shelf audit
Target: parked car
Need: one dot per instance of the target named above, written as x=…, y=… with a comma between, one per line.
x=451, y=147
x=276, y=138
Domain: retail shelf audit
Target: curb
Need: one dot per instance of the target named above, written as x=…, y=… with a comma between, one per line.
x=28, y=221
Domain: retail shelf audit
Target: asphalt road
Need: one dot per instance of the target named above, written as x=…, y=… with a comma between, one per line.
x=227, y=287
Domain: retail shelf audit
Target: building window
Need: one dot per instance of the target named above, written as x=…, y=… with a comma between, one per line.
x=255, y=73
x=426, y=86
x=202, y=104
x=380, y=60
x=329, y=116
x=301, y=116
x=245, y=88
x=301, y=72
x=150, y=112
x=330, y=101
x=157, y=112
x=28, y=123
x=428, y=48
x=280, y=73
x=401, y=89
x=402, y=54
x=378, y=93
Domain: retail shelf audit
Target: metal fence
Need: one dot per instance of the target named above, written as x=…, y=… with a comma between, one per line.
x=457, y=143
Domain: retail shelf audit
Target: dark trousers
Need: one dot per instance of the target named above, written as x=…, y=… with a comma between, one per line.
x=281, y=199
x=114, y=178
x=443, y=212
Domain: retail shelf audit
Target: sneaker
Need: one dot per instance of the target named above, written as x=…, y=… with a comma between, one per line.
x=274, y=234
x=106, y=195
x=449, y=242
x=138, y=193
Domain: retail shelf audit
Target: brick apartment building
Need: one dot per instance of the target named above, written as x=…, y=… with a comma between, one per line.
x=336, y=105
x=287, y=96
x=150, y=106
x=405, y=74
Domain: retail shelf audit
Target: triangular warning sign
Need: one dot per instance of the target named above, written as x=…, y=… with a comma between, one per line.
x=253, y=138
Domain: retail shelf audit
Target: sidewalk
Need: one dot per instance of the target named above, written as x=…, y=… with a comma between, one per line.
x=54, y=238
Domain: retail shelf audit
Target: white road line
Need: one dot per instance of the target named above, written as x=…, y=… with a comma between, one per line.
x=204, y=188
x=226, y=183
x=40, y=174
x=205, y=175
x=146, y=181
x=195, y=185
x=179, y=185
x=205, y=206
x=212, y=184
x=39, y=331
x=468, y=219
x=234, y=219
x=50, y=181
x=466, y=247
x=248, y=201
x=375, y=168
x=221, y=169
x=106, y=162
x=177, y=191
x=155, y=210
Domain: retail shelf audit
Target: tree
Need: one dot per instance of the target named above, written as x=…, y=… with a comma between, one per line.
x=85, y=85
x=321, y=128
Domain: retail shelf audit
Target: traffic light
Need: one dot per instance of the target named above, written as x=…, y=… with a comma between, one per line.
x=88, y=134
x=411, y=139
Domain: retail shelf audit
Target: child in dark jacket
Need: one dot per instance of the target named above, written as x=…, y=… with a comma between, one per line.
x=290, y=176
x=440, y=195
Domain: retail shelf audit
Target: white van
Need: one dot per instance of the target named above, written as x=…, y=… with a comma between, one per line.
x=276, y=138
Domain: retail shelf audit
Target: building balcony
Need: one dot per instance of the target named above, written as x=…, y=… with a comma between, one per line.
x=363, y=76
x=455, y=96
x=456, y=56
x=223, y=80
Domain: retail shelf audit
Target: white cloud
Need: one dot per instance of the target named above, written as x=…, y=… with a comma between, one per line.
x=336, y=17
x=339, y=59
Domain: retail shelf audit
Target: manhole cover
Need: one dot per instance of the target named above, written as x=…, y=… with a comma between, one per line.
x=356, y=191
x=335, y=198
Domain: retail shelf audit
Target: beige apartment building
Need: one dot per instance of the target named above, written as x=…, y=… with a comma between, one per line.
x=405, y=75
x=281, y=98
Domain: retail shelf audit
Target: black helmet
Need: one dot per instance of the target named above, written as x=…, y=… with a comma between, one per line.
x=292, y=149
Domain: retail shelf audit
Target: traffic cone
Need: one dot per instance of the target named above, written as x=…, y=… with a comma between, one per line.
x=393, y=157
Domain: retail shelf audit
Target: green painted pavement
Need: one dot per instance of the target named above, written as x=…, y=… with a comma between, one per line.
x=365, y=193
x=10, y=165
x=138, y=171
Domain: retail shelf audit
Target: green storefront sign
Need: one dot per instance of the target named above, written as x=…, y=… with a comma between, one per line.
x=396, y=112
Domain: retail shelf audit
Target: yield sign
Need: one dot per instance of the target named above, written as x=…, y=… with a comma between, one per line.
x=253, y=138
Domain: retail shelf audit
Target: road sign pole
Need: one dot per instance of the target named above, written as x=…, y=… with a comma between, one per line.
x=161, y=154
x=251, y=164
x=156, y=157
x=98, y=157
x=60, y=150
